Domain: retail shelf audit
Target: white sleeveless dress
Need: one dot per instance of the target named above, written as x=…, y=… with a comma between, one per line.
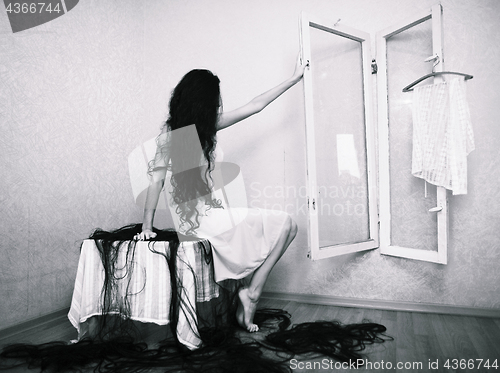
x=242, y=237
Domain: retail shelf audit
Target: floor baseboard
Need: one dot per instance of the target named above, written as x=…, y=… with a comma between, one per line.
x=326, y=300
x=329, y=300
x=33, y=323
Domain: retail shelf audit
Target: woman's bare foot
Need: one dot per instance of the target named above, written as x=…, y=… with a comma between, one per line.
x=246, y=311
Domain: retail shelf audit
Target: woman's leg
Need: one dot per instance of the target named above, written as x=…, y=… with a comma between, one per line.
x=249, y=297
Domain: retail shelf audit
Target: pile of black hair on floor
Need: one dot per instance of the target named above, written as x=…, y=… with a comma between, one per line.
x=226, y=347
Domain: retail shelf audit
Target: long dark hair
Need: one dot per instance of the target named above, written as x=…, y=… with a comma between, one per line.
x=116, y=346
x=196, y=100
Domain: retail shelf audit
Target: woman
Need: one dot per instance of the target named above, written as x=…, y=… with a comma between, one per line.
x=250, y=248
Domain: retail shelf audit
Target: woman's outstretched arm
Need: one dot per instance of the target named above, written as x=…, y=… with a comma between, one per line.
x=261, y=101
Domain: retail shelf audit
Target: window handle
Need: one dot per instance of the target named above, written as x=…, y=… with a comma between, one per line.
x=436, y=209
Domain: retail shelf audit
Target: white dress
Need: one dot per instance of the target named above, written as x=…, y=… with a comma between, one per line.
x=242, y=237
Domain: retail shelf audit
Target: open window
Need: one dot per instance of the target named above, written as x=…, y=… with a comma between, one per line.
x=341, y=174
x=341, y=141
x=413, y=214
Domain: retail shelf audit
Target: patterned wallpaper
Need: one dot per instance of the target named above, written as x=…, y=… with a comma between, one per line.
x=71, y=110
x=79, y=93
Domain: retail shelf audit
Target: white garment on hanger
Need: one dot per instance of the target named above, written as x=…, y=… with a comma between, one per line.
x=442, y=134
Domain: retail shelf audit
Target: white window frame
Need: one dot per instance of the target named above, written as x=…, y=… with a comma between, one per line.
x=386, y=247
x=315, y=252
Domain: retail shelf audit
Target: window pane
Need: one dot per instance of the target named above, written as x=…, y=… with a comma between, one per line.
x=412, y=225
x=339, y=125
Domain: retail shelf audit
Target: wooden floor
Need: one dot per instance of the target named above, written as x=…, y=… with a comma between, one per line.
x=422, y=342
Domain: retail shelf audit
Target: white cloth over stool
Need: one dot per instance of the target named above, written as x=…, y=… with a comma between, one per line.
x=147, y=287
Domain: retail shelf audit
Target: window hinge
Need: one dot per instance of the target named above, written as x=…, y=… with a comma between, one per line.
x=374, y=66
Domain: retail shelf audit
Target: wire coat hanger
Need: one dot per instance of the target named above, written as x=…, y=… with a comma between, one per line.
x=436, y=60
x=409, y=87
